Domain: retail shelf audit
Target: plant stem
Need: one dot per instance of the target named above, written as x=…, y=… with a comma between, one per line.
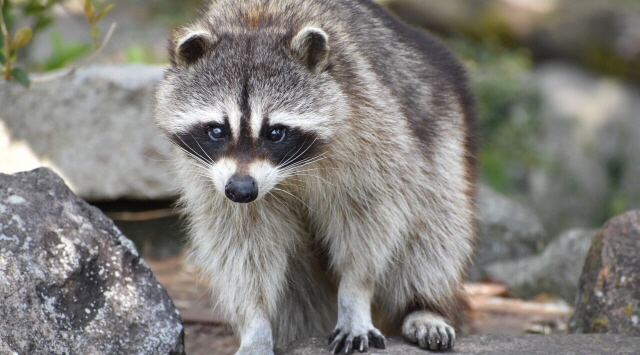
x=7, y=43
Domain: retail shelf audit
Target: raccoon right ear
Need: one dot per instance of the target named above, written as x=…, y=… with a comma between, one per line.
x=187, y=46
x=311, y=45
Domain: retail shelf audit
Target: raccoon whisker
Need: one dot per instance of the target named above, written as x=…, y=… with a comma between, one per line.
x=202, y=149
x=280, y=164
x=304, y=162
x=200, y=165
x=191, y=152
x=197, y=169
x=200, y=173
x=294, y=196
x=296, y=155
x=197, y=159
x=297, y=183
x=291, y=159
x=311, y=171
x=158, y=160
x=207, y=178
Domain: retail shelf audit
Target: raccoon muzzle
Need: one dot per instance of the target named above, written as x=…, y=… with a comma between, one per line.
x=241, y=188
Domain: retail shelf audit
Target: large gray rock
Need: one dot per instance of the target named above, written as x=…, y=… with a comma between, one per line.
x=93, y=128
x=507, y=230
x=496, y=344
x=609, y=293
x=556, y=270
x=70, y=282
x=589, y=147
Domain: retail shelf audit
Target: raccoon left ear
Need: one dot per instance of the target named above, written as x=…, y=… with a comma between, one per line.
x=311, y=46
x=187, y=46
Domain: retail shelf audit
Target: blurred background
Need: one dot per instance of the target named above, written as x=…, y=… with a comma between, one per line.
x=558, y=101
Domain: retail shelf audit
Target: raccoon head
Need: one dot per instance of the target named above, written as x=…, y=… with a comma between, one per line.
x=249, y=107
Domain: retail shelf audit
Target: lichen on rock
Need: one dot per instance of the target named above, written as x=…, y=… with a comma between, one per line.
x=70, y=282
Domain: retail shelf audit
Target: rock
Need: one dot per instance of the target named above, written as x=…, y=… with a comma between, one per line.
x=556, y=270
x=608, y=298
x=496, y=344
x=94, y=128
x=506, y=230
x=589, y=146
x=70, y=282
x=601, y=34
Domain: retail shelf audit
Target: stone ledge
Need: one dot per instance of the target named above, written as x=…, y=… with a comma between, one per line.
x=582, y=344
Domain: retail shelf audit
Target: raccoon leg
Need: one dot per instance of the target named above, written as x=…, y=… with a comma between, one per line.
x=256, y=337
x=354, y=330
x=428, y=330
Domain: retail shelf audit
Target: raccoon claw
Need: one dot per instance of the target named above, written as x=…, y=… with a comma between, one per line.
x=345, y=343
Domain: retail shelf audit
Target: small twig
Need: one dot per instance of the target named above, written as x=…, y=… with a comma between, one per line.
x=508, y=305
x=73, y=69
x=144, y=215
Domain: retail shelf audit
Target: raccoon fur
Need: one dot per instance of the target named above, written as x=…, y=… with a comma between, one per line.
x=325, y=160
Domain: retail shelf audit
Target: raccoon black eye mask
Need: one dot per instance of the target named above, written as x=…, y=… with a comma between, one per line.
x=280, y=145
x=303, y=217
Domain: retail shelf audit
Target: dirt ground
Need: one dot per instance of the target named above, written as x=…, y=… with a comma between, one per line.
x=491, y=310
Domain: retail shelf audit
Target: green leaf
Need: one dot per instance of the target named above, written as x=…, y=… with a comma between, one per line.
x=89, y=11
x=42, y=22
x=2, y=59
x=104, y=12
x=21, y=77
x=22, y=37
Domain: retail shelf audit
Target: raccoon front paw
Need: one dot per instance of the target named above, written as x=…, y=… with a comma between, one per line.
x=347, y=342
x=429, y=331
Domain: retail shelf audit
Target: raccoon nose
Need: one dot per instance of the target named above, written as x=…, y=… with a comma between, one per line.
x=241, y=188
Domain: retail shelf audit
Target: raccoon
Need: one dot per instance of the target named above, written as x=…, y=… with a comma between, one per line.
x=325, y=157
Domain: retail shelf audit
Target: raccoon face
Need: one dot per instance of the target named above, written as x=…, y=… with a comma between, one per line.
x=249, y=108
x=245, y=165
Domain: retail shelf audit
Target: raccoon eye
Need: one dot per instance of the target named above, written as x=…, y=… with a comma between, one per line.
x=277, y=135
x=216, y=133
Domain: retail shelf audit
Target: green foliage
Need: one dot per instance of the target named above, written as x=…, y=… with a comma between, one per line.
x=507, y=111
x=93, y=17
x=21, y=77
x=602, y=58
x=37, y=14
x=63, y=53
